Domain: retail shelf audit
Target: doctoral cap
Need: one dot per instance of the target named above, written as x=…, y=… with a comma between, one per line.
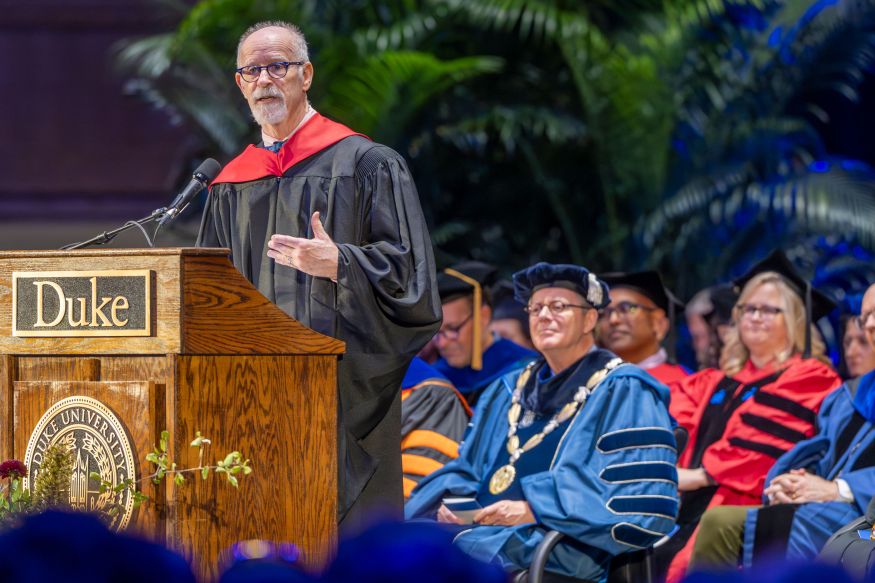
x=817, y=304
x=647, y=283
x=573, y=277
x=469, y=278
x=650, y=285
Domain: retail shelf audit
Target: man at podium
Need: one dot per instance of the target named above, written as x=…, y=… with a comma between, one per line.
x=327, y=224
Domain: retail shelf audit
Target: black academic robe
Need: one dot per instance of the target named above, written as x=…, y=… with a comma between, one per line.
x=384, y=305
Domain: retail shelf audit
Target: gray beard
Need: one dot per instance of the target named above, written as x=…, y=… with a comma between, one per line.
x=269, y=114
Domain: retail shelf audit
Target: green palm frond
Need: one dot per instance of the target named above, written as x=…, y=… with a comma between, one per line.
x=228, y=127
x=511, y=124
x=691, y=203
x=404, y=33
x=383, y=91
x=192, y=87
x=446, y=232
x=536, y=19
x=718, y=210
x=148, y=57
x=218, y=24
x=684, y=16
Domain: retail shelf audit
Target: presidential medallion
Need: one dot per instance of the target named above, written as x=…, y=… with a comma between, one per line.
x=99, y=444
x=502, y=479
x=513, y=444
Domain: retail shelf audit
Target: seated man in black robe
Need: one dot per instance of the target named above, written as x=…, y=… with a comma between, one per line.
x=327, y=224
x=471, y=355
x=434, y=416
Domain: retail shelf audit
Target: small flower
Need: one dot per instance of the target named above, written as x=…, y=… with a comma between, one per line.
x=12, y=469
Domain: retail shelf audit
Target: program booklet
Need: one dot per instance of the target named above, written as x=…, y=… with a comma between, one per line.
x=465, y=508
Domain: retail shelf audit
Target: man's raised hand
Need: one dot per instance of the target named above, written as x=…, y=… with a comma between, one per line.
x=317, y=256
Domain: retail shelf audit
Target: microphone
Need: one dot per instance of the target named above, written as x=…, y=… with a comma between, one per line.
x=202, y=177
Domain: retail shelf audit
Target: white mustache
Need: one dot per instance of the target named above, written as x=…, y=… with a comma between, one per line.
x=267, y=92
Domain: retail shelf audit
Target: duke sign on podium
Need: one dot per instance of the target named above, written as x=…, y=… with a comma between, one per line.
x=70, y=303
x=104, y=349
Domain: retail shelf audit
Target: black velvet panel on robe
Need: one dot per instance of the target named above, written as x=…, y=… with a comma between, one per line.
x=384, y=305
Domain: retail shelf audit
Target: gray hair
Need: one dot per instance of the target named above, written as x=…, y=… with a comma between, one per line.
x=299, y=43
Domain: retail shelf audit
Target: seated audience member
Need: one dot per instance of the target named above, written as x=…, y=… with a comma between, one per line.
x=777, y=572
x=262, y=561
x=76, y=547
x=433, y=419
x=405, y=552
x=636, y=322
x=471, y=356
x=709, y=320
x=813, y=490
x=857, y=353
x=576, y=442
x=700, y=332
x=757, y=406
x=509, y=318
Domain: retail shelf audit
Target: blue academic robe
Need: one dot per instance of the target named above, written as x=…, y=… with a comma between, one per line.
x=611, y=482
x=813, y=523
x=420, y=371
x=502, y=357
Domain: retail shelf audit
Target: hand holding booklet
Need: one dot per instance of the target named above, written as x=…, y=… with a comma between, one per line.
x=465, y=508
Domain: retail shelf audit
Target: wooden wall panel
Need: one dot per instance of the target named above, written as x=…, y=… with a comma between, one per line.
x=58, y=368
x=274, y=411
x=7, y=376
x=159, y=369
x=134, y=403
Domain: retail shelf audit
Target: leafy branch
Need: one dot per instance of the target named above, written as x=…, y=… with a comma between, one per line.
x=233, y=466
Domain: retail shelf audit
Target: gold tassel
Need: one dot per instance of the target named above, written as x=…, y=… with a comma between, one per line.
x=476, y=346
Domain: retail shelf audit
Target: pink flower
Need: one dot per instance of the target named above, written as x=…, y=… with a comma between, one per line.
x=12, y=469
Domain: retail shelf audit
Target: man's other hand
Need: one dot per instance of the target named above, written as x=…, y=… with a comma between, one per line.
x=316, y=256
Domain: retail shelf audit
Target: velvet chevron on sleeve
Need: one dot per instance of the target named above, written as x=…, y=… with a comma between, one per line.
x=608, y=481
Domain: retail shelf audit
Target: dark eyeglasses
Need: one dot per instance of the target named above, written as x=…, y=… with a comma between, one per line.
x=625, y=309
x=276, y=70
x=452, y=332
x=555, y=307
x=751, y=310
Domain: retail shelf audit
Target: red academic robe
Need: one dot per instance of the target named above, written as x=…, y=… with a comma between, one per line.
x=769, y=419
x=668, y=373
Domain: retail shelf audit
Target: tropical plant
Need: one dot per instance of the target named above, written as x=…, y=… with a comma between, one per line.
x=679, y=134
x=752, y=170
x=188, y=72
x=51, y=486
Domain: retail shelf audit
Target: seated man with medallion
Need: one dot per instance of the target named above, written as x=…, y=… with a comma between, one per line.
x=577, y=442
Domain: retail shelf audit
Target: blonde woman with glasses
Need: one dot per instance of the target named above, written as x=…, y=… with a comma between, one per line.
x=762, y=400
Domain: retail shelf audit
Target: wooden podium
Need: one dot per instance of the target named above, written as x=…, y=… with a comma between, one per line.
x=208, y=353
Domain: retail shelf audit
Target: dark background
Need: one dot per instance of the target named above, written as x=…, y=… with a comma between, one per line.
x=77, y=156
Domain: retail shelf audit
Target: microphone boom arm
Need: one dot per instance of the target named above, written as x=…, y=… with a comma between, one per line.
x=107, y=236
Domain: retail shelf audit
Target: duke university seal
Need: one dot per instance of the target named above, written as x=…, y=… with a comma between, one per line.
x=98, y=443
